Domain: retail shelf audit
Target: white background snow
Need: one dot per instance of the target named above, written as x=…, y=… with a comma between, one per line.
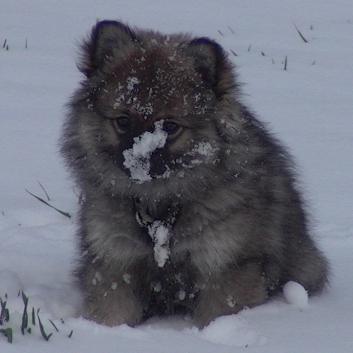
x=309, y=106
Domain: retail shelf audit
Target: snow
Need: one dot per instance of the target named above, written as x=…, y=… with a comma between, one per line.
x=131, y=82
x=296, y=294
x=160, y=236
x=231, y=331
x=308, y=106
x=203, y=149
x=137, y=158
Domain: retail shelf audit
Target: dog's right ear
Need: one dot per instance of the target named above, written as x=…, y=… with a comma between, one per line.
x=108, y=39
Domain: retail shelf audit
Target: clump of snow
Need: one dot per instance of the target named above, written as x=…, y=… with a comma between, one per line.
x=127, y=278
x=160, y=236
x=97, y=278
x=137, y=158
x=203, y=149
x=230, y=301
x=296, y=294
x=157, y=287
x=181, y=295
x=131, y=82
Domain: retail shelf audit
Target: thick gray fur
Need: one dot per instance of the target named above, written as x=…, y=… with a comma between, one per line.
x=238, y=228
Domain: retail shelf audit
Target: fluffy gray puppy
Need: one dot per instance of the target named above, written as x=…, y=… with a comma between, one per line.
x=190, y=204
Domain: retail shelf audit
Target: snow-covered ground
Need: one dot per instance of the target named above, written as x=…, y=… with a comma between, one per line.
x=309, y=106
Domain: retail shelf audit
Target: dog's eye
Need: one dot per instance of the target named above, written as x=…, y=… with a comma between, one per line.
x=170, y=127
x=122, y=123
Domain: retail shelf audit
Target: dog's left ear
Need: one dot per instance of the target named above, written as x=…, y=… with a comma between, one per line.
x=210, y=61
x=108, y=39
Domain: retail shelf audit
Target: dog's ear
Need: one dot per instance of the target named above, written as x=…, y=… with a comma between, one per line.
x=108, y=39
x=210, y=61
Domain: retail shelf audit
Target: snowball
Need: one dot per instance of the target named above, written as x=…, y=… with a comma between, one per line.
x=295, y=294
x=137, y=158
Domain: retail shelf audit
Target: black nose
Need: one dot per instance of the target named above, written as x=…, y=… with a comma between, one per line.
x=159, y=164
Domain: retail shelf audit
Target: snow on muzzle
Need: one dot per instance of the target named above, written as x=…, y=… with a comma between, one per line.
x=138, y=157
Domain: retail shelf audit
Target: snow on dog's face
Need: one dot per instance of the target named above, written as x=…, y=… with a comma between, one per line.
x=137, y=159
x=151, y=99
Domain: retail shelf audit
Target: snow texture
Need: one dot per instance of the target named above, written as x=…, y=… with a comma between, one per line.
x=137, y=158
x=308, y=106
x=231, y=331
x=160, y=236
x=201, y=149
x=296, y=294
